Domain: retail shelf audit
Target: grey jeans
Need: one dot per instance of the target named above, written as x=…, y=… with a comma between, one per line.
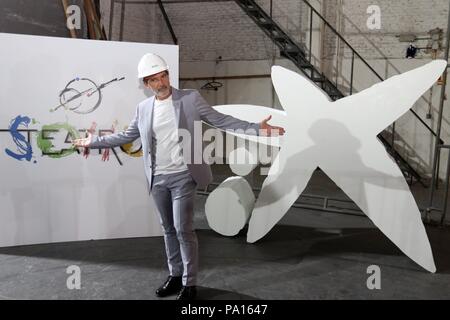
x=174, y=199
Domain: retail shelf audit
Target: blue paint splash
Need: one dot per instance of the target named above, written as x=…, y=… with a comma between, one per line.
x=23, y=146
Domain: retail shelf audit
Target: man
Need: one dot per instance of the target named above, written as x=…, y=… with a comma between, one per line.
x=171, y=175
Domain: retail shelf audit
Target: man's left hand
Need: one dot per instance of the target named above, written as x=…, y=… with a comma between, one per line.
x=268, y=130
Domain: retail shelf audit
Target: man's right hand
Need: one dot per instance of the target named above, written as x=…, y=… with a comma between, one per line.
x=85, y=142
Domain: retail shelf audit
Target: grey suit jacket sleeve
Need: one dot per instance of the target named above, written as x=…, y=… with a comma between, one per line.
x=220, y=120
x=120, y=138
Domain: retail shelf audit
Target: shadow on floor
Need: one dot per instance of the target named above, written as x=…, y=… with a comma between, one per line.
x=285, y=243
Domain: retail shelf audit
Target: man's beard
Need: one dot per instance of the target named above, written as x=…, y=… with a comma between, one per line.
x=161, y=92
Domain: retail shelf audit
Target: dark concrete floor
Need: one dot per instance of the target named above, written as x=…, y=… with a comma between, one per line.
x=308, y=255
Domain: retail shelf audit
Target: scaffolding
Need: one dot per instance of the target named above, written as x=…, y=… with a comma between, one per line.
x=440, y=146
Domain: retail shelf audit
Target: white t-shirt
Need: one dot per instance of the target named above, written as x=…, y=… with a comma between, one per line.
x=166, y=145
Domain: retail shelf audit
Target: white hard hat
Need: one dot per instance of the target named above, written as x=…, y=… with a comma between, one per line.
x=151, y=64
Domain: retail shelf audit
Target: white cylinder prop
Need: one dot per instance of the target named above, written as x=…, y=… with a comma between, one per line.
x=242, y=161
x=229, y=206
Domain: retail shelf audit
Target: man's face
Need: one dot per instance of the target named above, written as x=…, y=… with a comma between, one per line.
x=159, y=83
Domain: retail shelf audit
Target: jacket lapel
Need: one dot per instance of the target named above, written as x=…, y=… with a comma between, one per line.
x=177, y=105
x=149, y=121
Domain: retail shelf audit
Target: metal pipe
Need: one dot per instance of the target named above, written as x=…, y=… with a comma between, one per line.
x=438, y=166
x=337, y=63
x=310, y=34
x=435, y=174
x=90, y=14
x=351, y=72
x=393, y=135
x=172, y=1
x=166, y=18
x=227, y=77
x=111, y=19
x=425, y=124
x=444, y=210
x=122, y=20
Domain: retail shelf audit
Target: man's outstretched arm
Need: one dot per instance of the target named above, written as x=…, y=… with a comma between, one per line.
x=112, y=140
x=226, y=122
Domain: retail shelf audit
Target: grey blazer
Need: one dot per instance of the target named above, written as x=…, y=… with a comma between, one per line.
x=189, y=107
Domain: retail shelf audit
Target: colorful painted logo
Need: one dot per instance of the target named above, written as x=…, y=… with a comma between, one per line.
x=80, y=95
x=58, y=133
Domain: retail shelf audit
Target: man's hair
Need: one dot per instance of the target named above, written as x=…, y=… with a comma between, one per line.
x=145, y=79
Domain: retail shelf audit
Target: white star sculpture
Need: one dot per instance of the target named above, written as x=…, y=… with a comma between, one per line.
x=340, y=138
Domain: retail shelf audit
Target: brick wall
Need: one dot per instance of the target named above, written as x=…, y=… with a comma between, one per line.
x=397, y=17
x=207, y=30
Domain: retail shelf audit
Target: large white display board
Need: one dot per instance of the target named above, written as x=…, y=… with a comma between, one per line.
x=49, y=88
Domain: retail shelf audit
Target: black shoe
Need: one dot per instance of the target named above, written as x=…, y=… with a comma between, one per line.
x=171, y=286
x=187, y=293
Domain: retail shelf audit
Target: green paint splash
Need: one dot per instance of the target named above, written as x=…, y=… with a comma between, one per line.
x=46, y=145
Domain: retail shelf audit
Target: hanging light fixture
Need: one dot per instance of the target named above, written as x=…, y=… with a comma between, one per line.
x=411, y=51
